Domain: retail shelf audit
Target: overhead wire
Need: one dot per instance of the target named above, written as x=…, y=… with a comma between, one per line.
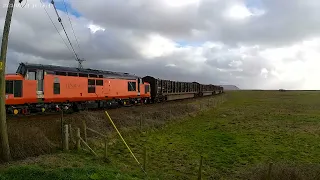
x=24, y=4
x=59, y=19
x=65, y=6
x=54, y=25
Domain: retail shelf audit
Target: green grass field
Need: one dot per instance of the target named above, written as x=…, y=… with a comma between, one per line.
x=237, y=140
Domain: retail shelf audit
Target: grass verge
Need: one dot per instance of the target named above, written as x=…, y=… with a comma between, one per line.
x=237, y=140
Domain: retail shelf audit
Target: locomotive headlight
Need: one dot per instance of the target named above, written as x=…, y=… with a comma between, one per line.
x=15, y=111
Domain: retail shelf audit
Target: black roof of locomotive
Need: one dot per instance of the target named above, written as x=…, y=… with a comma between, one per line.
x=106, y=74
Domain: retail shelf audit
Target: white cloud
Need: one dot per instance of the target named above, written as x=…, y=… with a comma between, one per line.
x=170, y=65
x=157, y=46
x=95, y=28
x=264, y=72
x=238, y=12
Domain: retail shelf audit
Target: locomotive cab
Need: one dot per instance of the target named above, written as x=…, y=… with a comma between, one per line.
x=35, y=75
x=22, y=89
x=14, y=86
x=13, y=91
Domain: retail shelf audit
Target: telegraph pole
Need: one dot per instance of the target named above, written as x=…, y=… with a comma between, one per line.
x=5, y=149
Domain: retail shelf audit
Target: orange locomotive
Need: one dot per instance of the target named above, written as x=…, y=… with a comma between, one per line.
x=37, y=87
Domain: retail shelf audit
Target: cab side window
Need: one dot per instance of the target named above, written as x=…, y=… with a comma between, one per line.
x=17, y=91
x=9, y=87
x=132, y=86
x=32, y=75
x=14, y=87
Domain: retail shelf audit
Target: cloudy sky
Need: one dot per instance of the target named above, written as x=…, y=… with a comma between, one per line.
x=264, y=44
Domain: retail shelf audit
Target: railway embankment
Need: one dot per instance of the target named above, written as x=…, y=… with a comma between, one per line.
x=41, y=134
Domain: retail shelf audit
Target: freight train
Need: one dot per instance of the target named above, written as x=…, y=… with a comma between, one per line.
x=43, y=88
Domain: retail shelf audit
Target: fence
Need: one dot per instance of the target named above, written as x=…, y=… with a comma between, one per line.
x=73, y=139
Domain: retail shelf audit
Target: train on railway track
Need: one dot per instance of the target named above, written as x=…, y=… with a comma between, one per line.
x=46, y=88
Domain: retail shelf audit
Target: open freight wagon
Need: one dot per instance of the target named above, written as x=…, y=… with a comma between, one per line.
x=166, y=90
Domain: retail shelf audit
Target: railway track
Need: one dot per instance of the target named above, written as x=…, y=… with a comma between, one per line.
x=58, y=114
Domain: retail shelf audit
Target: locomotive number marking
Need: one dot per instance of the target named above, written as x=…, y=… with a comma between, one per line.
x=72, y=86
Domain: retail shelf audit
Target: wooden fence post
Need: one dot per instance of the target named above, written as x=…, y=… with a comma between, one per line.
x=78, y=139
x=66, y=138
x=71, y=135
x=84, y=130
x=200, y=169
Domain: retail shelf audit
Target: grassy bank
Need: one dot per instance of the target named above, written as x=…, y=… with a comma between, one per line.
x=237, y=140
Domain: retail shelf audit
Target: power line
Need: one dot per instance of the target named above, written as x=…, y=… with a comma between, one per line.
x=79, y=60
x=54, y=25
x=59, y=19
x=65, y=6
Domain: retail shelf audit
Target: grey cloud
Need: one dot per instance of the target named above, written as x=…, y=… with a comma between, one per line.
x=231, y=60
x=146, y=16
x=32, y=33
x=285, y=21
x=34, y=39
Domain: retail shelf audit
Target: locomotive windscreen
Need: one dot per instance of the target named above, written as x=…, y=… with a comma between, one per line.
x=21, y=69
